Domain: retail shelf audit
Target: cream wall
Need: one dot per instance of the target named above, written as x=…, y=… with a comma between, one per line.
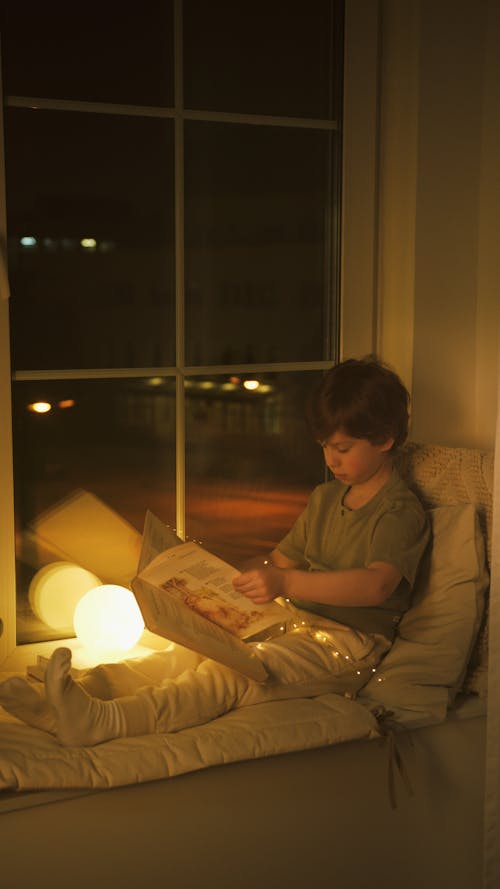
x=439, y=210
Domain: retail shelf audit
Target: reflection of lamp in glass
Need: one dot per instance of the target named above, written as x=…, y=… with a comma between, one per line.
x=108, y=618
x=55, y=590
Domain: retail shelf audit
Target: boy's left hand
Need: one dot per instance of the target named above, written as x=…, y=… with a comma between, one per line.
x=261, y=585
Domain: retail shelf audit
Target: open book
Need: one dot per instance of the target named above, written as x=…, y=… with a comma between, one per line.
x=186, y=594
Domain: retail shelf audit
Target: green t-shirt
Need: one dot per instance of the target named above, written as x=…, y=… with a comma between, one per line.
x=328, y=536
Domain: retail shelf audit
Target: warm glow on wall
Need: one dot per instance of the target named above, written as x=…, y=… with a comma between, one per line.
x=108, y=619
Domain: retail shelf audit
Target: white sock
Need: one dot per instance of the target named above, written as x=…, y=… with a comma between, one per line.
x=21, y=700
x=82, y=720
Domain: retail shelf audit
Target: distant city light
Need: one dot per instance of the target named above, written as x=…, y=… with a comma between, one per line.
x=155, y=381
x=228, y=386
x=67, y=402
x=234, y=380
x=206, y=384
x=28, y=241
x=88, y=243
x=251, y=385
x=40, y=407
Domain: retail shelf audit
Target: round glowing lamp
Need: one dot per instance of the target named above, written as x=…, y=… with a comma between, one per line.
x=55, y=591
x=108, y=619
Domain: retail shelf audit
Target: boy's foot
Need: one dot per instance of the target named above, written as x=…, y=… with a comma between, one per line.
x=81, y=720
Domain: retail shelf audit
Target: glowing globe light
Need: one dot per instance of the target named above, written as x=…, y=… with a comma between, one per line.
x=251, y=385
x=108, y=619
x=55, y=591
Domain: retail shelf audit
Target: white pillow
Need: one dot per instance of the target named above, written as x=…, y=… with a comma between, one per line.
x=425, y=668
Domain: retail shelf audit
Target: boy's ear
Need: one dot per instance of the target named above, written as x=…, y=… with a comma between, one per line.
x=386, y=445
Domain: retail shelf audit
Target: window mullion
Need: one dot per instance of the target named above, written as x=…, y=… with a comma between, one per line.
x=180, y=412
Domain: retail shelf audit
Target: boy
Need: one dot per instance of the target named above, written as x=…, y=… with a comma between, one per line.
x=346, y=567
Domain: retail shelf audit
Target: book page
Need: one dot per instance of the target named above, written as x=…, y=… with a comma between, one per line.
x=156, y=538
x=203, y=582
x=171, y=618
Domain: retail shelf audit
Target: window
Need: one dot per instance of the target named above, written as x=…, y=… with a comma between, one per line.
x=173, y=241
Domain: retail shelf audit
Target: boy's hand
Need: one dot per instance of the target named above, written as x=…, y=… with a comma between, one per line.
x=261, y=585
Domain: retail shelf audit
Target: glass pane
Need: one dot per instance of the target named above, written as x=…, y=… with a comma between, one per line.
x=263, y=58
x=251, y=460
x=101, y=52
x=112, y=439
x=258, y=225
x=90, y=226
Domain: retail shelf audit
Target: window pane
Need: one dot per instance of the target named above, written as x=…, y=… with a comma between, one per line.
x=258, y=225
x=104, y=182
x=251, y=461
x=102, y=52
x=114, y=439
x=263, y=58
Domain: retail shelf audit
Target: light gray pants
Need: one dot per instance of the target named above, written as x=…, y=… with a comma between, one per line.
x=181, y=689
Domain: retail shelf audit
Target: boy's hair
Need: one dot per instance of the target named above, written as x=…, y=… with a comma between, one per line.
x=363, y=398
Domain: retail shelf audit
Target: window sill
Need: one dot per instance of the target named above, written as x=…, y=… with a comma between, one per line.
x=26, y=655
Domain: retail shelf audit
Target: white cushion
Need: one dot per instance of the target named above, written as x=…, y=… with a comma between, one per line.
x=425, y=668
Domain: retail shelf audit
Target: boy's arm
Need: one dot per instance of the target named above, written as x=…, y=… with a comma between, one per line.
x=355, y=586
x=278, y=560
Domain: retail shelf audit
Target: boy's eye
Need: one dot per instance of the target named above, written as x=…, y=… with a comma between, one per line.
x=340, y=449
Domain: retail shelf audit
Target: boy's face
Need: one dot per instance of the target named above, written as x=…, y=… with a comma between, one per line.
x=354, y=461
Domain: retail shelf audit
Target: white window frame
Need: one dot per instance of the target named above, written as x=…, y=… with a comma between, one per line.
x=358, y=276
